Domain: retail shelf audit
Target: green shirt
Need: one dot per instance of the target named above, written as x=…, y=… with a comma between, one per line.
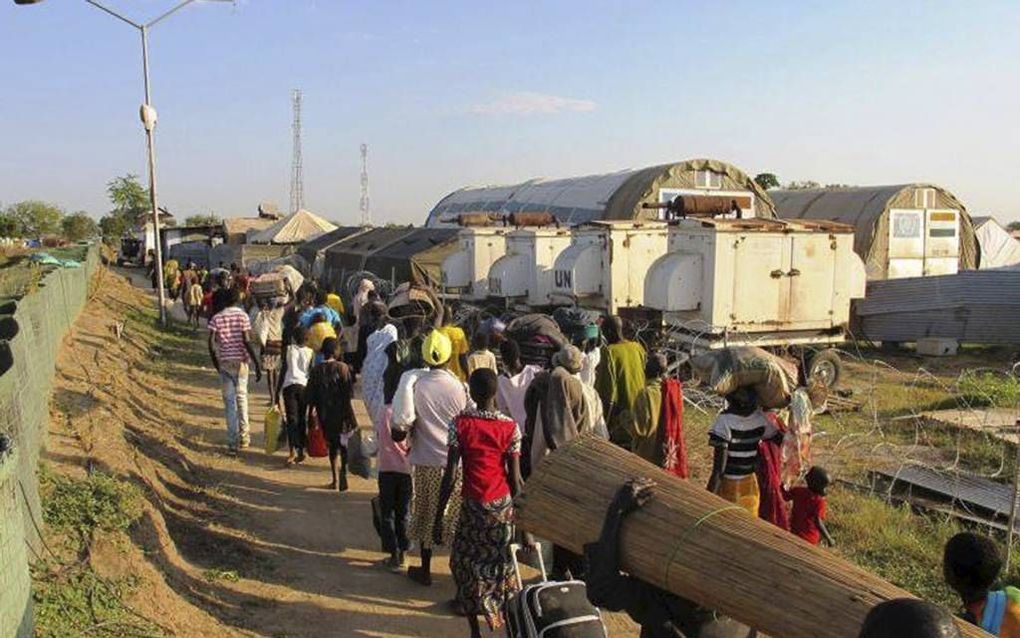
x=644, y=425
x=618, y=380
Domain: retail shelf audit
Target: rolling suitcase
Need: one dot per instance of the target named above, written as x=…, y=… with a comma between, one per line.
x=551, y=609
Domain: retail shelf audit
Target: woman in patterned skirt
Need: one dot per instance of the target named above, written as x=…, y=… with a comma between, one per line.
x=489, y=446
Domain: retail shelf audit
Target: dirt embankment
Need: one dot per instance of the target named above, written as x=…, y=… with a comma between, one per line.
x=224, y=546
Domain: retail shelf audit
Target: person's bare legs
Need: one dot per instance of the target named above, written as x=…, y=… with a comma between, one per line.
x=423, y=574
x=333, y=451
x=476, y=630
x=271, y=382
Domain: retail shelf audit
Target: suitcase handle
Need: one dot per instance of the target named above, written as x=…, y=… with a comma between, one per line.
x=516, y=547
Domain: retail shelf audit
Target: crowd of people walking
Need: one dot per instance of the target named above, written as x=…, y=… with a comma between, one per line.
x=462, y=417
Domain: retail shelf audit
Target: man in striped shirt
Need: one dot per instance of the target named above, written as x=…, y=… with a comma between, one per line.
x=735, y=435
x=231, y=351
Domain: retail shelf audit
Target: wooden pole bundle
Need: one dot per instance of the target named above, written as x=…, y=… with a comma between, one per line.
x=699, y=546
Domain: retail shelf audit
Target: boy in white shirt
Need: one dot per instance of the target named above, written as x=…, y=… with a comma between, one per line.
x=299, y=362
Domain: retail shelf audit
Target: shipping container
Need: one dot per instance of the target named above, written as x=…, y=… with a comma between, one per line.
x=766, y=282
x=605, y=266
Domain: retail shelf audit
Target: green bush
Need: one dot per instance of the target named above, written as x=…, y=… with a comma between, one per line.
x=999, y=390
x=98, y=502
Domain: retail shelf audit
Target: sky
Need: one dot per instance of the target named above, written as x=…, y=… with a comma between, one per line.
x=451, y=94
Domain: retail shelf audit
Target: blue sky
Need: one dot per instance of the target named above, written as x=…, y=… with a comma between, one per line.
x=449, y=94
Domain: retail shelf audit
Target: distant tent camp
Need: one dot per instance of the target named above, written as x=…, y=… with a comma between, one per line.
x=313, y=252
x=998, y=247
x=349, y=255
x=417, y=257
x=905, y=230
x=293, y=229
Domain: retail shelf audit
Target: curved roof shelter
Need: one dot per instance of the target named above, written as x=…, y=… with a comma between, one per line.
x=295, y=228
x=415, y=257
x=619, y=195
x=899, y=231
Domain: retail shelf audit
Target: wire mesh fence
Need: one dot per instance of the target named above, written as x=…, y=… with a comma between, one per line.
x=44, y=301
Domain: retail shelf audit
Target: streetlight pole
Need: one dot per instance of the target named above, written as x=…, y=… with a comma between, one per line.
x=148, y=116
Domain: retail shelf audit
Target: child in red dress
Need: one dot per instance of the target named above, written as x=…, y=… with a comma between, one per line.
x=807, y=518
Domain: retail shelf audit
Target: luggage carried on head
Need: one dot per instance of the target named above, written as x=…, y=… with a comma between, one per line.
x=551, y=609
x=724, y=370
x=538, y=336
x=268, y=286
x=577, y=324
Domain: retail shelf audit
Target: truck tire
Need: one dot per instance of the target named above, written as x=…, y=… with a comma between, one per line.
x=827, y=367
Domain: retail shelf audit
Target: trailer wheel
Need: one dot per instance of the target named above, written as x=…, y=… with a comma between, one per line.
x=827, y=367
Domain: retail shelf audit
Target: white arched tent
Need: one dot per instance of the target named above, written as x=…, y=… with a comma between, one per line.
x=904, y=230
x=621, y=195
x=998, y=248
x=295, y=228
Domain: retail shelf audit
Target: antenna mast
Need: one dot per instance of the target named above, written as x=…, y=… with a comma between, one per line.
x=366, y=204
x=297, y=182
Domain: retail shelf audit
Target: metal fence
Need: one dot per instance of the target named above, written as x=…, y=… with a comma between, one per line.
x=43, y=301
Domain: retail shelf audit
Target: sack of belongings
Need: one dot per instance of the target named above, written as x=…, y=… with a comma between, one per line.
x=269, y=286
x=538, y=337
x=577, y=324
x=409, y=299
x=725, y=370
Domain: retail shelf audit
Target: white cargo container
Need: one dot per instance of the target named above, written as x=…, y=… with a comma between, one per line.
x=605, y=266
x=757, y=281
x=525, y=273
x=467, y=270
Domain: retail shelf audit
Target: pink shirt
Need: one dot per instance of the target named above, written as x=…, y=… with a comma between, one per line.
x=392, y=455
x=229, y=327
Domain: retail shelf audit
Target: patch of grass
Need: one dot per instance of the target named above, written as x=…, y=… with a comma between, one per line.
x=893, y=542
x=83, y=507
x=899, y=544
x=176, y=343
x=228, y=575
x=990, y=388
x=71, y=599
x=74, y=600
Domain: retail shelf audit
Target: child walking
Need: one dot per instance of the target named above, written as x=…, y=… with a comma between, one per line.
x=807, y=518
x=395, y=491
x=480, y=356
x=299, y=363
x=194, y=300
x=330, y=391
x=488, y=444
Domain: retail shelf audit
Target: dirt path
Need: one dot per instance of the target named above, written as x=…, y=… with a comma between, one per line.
x=227, y=546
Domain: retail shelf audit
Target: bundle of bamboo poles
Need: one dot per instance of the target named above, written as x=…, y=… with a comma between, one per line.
x=691, y=542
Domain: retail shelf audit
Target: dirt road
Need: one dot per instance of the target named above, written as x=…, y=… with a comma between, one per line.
x=227, y=546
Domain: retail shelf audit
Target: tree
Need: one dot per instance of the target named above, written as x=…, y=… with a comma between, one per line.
x=803, y=185
x=127, y=195
x=129, y=199
x=113, y=227
x=34, y=218
x=8, y=225
x=79, y=226
x=1013, y=226
x=202, y=220
x=767, y=180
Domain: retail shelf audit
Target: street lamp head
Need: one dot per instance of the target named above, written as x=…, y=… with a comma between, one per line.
x=27, y=1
